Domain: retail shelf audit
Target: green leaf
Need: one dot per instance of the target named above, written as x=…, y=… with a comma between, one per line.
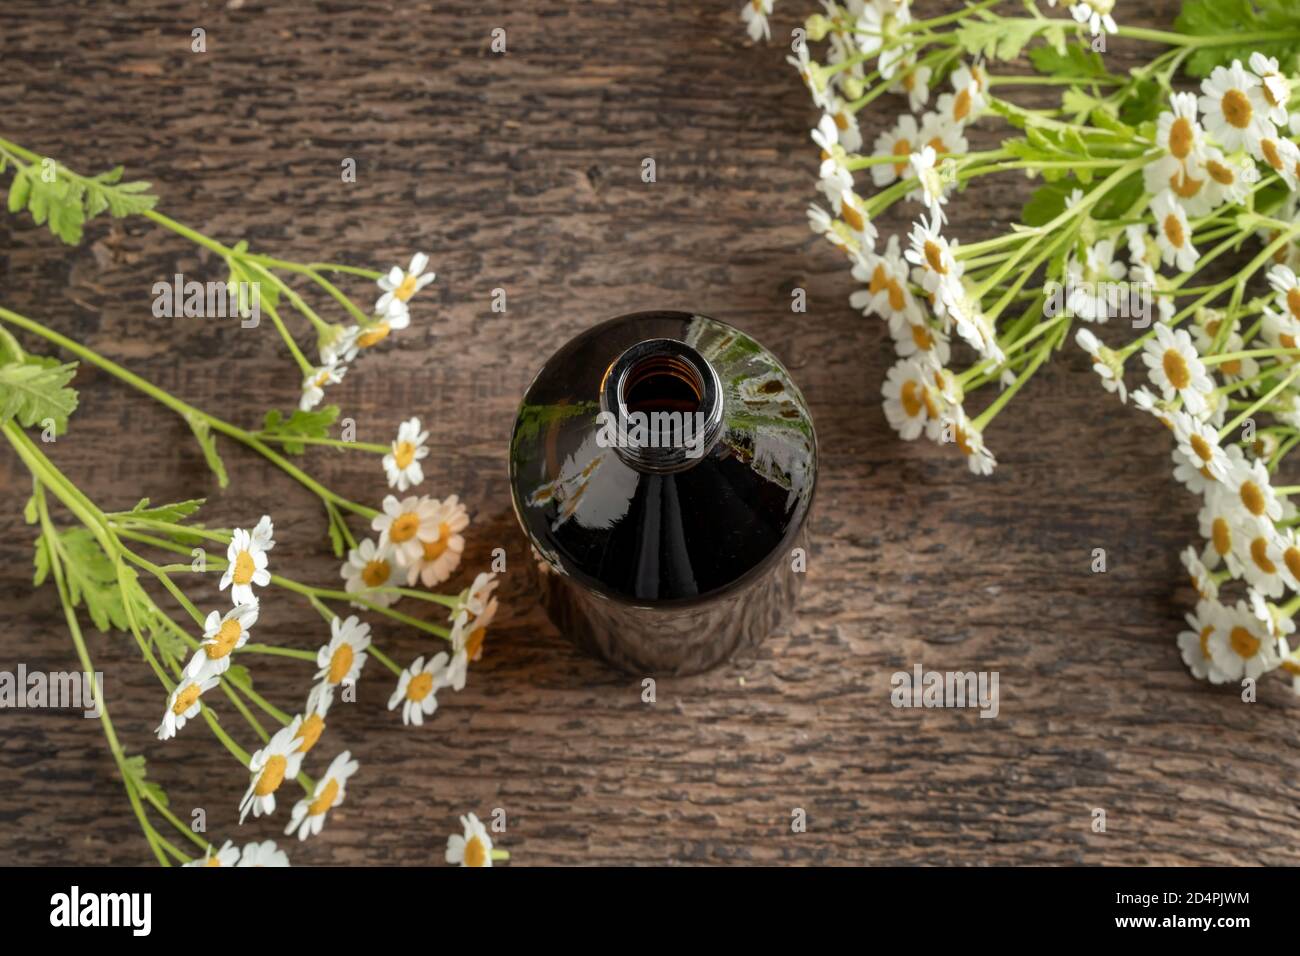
x=1120, y=198
x=1046, y=203
x=996, y=38
x=138, y=773
x=1075, y=60
x=29, y=512
x=208, y=442
x=239, y=675
x=173, y=513
x=91, y=576
x=1226, y=18
x=35, y=390
x=56, y=196
x=313, y=424
x=337, y=540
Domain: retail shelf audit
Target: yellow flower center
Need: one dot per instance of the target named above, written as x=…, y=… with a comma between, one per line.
x=1221, y=174
x=433, y=550
x=1202, y=448
x=185, y=699
x=922, y=338
x=934, y=257
x=903, y=148
x=340, y=663
x=326, y=798
x=1259, y=554
x=404, y=527
x=1271, y=156
x=225, y=640
x=212, y=861
x=420, y=686
x=1174, y=231
x=375, y=573
x=271, y=777
x=407, y=288
x=1243, y=642
x=961, y=105
x=1176, y=369
x=475, y=852
x=244, y=568
x=1291, y=558
x=1181, y=138
x=910, y=399
x=1221, y=536
x=1253, y=498
x=474, y=643
x=374, y=335
x=1185, y=185
x=1236, y=108
x=404, y=454
x=1293, y=301
x=310, y=732
x=1205, y=641
x=841, y=121
x=852, y=217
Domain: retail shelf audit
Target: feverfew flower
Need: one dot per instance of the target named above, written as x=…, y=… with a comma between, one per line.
x=263, y=854
x=340, y=661
x=1096, y=14
x=396, y=318
x=1173, y=233
x=1254, y=492
x=1089, y=284
x=440, y=556
x=370, y=567
x=1199, y=444
x=931, y=180
x=1274, y=86
x=405, y=524
x=1195, y=643
x=313, y=386
x=1202, y=580
x=417, y=688
x=1236, y=112
x=400, y=286
x=754, y=14
x=222, y=635
x=269, y=767
x=1176, y=369
x=910, y=404
x=970, y=442
x=402, y=464
x=1104, y=362
x=1241, y=645
x=226, y=856
x=901, y=141
x=475, y=597
x=473, y=847
x=467, y=636
x=308, y=816
x=183, y=704
x=245, y=565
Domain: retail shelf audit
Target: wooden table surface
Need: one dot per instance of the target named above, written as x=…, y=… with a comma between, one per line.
x=522, y=171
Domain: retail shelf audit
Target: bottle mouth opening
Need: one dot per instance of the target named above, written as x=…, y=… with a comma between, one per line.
x=661, y=406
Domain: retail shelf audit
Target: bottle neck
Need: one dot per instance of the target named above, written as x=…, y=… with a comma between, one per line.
x=661, y=406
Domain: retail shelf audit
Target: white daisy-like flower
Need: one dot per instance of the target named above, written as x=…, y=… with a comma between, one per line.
x=1280, y=155
x=405, y=524
x=1236, y=112
x=869, y=29
x=265, y=853
x=394, y=319
x=963, y=310
x=961, y=107
x=911, y=405
x=934, y=258
x=263, y=533
x=1233, y=369
x=1178, y=130
x=1226, y=181
x=901, y=142
x=1176, y=369
x=340, y=661
x=814, y=83
x=921, y=340
x=835, y=182
x=417, y=688
x=942, y=135
x=400, y=286
x=183, y=704
x=1256, y=550
x=441, y=556
x=1286, y=554
x=1250, y=483
x=914, y=80
x=1241, y=645
x=402, y=464
x=754, y=14
x=370, y=567
x=308, y=816
x=1274, y=85
x=1275, y=621
x=1218, y=519
x=932, y=186
x=277, y=761
x=886, y=294
x=1090, y=284
x=1199, y=444
x=475, y=597
x=854, y=213
x=339, y=345
x=1104, y=362
x=1096, y=14
x=313, y=386
x=970, y=442
x=1286, y=287
x=1173, y=233
x=222, y=635
x=1195, y=643
x=467, y=636
x=228, y=855
x=1202, y=580
x=245, y=566
x=313, y=723
x=473, y=847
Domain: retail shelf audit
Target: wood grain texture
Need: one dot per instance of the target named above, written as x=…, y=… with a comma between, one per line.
x=522, y=172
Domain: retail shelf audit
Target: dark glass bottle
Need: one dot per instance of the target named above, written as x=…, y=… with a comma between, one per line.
x=662, y=466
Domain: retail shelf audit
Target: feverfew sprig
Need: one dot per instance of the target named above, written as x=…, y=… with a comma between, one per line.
x=1164, y=201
